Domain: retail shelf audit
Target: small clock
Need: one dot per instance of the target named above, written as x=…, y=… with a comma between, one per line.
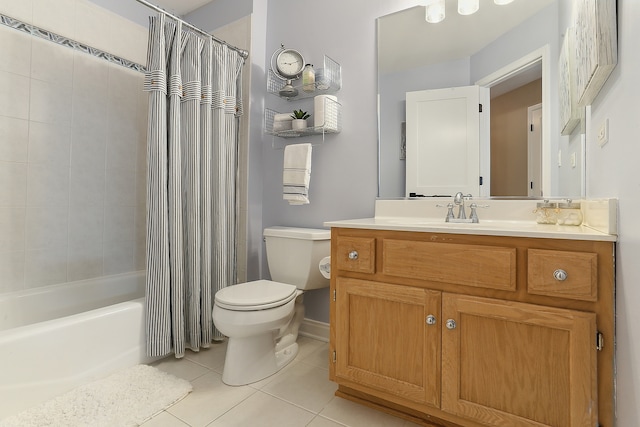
x=289, y=63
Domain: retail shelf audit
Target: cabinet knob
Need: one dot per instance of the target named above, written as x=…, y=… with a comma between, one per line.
x=431, y=319
x=353, y=255
x=451, y=324
x=560, y=275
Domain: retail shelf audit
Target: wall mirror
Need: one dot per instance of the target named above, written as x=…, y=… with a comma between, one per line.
x=506, y=48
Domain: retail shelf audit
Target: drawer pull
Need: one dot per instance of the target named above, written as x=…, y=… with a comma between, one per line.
x=353, y=255
x=451, y=324
x=431, y=319
x=560, y=275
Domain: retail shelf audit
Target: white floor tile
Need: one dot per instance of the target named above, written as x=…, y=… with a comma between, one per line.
x=323, y=422
x=298, y=395
x=307, y=346
x=319, y=357
x=209, y=399
x=212, y=357
x=353, y=414
x=264, y=410
x=181, y=368
x=304, y=385
x=260, y=384
x=164, y=419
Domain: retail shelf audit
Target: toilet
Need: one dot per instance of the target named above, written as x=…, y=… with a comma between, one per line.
x=261, y=318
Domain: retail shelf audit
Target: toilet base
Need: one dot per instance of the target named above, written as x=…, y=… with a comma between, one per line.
x=253, y=358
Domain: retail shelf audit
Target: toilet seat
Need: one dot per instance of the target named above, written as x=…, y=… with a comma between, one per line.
x=256, y=295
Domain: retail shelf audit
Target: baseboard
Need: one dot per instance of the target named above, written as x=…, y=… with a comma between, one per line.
x=314, y=329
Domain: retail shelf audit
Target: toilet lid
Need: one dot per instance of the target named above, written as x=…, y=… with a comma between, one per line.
x=257, y=295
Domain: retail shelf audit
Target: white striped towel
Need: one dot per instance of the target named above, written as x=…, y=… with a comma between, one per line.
x=296, y=174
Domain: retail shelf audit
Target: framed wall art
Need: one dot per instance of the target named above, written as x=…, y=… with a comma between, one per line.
x=596, y=46
x=570, y=111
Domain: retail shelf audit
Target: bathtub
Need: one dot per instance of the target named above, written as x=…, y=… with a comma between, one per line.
x=58, y=337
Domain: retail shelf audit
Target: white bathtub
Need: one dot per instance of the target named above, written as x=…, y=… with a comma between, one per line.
x=58, y=337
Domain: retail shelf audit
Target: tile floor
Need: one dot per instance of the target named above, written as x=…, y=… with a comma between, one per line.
x=299, y=395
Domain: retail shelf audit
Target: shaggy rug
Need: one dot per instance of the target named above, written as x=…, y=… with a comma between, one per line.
x=126, y=398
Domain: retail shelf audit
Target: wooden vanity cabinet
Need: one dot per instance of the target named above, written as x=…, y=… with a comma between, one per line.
x=462, y=330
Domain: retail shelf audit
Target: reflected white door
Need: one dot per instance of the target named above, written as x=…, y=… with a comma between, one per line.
x=443, y=141
x=534, y=146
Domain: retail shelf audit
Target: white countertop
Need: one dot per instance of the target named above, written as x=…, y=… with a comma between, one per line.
x=407, y=215
x=487, y=228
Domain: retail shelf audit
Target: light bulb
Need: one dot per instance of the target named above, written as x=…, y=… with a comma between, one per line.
x=467, y=7
x=435, y=11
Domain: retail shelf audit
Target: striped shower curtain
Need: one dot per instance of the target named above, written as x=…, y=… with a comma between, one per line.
x=194, y=104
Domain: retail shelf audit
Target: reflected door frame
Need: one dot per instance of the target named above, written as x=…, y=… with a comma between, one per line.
x=534, y=148
x=539, y=56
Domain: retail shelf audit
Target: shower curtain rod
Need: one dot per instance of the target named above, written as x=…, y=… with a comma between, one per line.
x=243, y=53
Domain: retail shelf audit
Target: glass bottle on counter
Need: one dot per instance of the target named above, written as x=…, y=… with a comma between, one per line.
x=546, y=212
x=569, y=213
x=308, y=78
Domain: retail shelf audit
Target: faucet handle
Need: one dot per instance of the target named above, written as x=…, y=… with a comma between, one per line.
x=473, y=216
x=449, y=207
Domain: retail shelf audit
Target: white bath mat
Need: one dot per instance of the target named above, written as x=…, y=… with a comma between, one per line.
x=126, y=398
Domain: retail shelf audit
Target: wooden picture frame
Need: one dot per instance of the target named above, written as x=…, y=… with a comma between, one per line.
x=596, y=46
x=570, y=111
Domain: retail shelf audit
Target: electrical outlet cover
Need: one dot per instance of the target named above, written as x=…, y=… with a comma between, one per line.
x=603, y=133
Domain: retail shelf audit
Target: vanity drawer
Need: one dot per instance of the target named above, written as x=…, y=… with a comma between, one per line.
x=490, y=267
x=572, y=275
x=357, y=254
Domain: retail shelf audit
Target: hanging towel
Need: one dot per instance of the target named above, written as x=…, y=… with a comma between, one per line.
x=296, y=174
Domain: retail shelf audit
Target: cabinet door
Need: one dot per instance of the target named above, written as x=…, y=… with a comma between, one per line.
x=514, y=364
x=383, y=340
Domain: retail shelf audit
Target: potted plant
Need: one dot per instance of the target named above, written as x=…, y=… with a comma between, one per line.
x=299, y=119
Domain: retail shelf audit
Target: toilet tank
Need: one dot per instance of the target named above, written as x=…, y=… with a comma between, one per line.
x=293, y=255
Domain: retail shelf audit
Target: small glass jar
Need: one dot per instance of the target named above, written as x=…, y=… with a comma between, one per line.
x=546, y=212
x=308, y=78
x=569, y=213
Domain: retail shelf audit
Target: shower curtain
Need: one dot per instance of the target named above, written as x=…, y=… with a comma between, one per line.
x=194, y=104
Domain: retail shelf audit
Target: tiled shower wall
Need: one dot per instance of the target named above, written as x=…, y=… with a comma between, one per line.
x=72, y=146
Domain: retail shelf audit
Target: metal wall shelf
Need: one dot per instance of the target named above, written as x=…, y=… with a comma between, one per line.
x=328, y=82
x=332, y=122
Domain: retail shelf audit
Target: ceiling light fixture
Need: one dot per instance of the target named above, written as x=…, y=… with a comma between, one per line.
x=468, y=7
x=435, y=9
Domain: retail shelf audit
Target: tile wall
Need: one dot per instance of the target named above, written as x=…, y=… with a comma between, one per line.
x=72, y=146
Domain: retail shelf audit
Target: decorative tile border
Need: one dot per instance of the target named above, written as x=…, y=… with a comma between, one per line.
x=64, y=41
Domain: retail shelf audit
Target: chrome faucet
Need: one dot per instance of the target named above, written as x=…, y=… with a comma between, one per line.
x=459, y=199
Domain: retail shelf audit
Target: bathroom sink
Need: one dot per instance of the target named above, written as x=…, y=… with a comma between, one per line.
x=427, y=222
x=412, y=221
